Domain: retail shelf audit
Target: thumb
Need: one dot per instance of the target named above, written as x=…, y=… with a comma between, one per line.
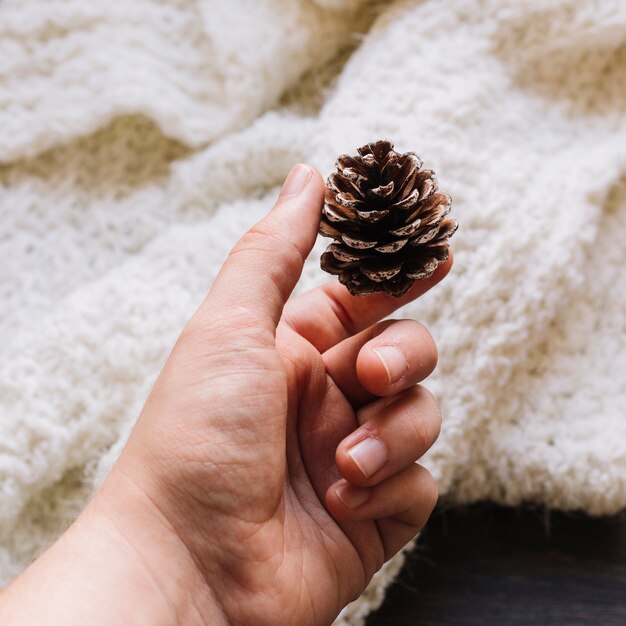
x=264, y=266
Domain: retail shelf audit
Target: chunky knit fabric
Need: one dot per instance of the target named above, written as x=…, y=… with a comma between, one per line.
x=139, y=139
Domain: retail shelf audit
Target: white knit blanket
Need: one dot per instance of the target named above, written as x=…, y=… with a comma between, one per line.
x=138, y=140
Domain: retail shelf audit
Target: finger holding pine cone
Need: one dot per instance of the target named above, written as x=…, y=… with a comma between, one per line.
x=389, y=222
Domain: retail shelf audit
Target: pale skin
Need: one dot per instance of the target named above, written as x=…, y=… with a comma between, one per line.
x=272, y=470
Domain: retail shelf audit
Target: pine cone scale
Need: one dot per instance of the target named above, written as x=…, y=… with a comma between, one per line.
x=448, y=227
x=336, y=212
x=408, y=202
x=347, y=255
x=407, y=176
x=381, y=192
x=434, y=208
x=380, y=274
x=428, y=187
x=407, y=229
x=343, y=184
x=373, y=216
x=391, y=247
x=358, y=244
x=334, y=216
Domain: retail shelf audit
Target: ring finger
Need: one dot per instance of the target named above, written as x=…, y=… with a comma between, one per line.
x=393, y=434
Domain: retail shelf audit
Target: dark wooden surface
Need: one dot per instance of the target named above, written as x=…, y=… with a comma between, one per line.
x=491, y=566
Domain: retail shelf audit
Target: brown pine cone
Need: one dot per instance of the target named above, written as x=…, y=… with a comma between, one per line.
x=387, y=219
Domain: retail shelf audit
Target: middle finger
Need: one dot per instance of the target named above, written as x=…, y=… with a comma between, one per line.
x=382, y=360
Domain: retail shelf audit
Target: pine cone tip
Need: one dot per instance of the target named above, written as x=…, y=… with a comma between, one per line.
x=388, y=220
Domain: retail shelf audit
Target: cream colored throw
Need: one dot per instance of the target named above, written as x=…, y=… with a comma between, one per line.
x=139, y=139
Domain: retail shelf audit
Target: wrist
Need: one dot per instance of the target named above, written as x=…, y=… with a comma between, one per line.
x=154, y=555
x=119, y=563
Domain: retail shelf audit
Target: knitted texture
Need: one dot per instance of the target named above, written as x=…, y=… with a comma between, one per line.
x=140, y=139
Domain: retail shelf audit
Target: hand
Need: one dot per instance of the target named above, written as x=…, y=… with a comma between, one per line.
x=271, y=472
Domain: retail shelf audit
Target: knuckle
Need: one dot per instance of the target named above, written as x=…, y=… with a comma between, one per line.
x=424, y=345
x=428, y=349
x=428, y=345
x=256, y=236
x=427, y=491
x=427, y=396
x=257, y=239
x=431, y=407
x=220, y=335
x=423, y=418
x=431, y=492
x=199, y=330
x=420, y=433
x=425, y=495
x=264, y=238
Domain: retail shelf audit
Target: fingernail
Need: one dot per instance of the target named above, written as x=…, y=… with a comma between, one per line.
x=296, y=181
x=353, y=497
x=393, y=361
x=370, y=455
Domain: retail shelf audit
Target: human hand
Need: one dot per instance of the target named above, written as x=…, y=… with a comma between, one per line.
x=271, y=471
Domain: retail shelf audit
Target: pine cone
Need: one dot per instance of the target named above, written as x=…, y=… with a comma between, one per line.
x=387, y=219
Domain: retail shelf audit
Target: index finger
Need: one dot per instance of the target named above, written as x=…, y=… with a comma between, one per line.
x=329, y=314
